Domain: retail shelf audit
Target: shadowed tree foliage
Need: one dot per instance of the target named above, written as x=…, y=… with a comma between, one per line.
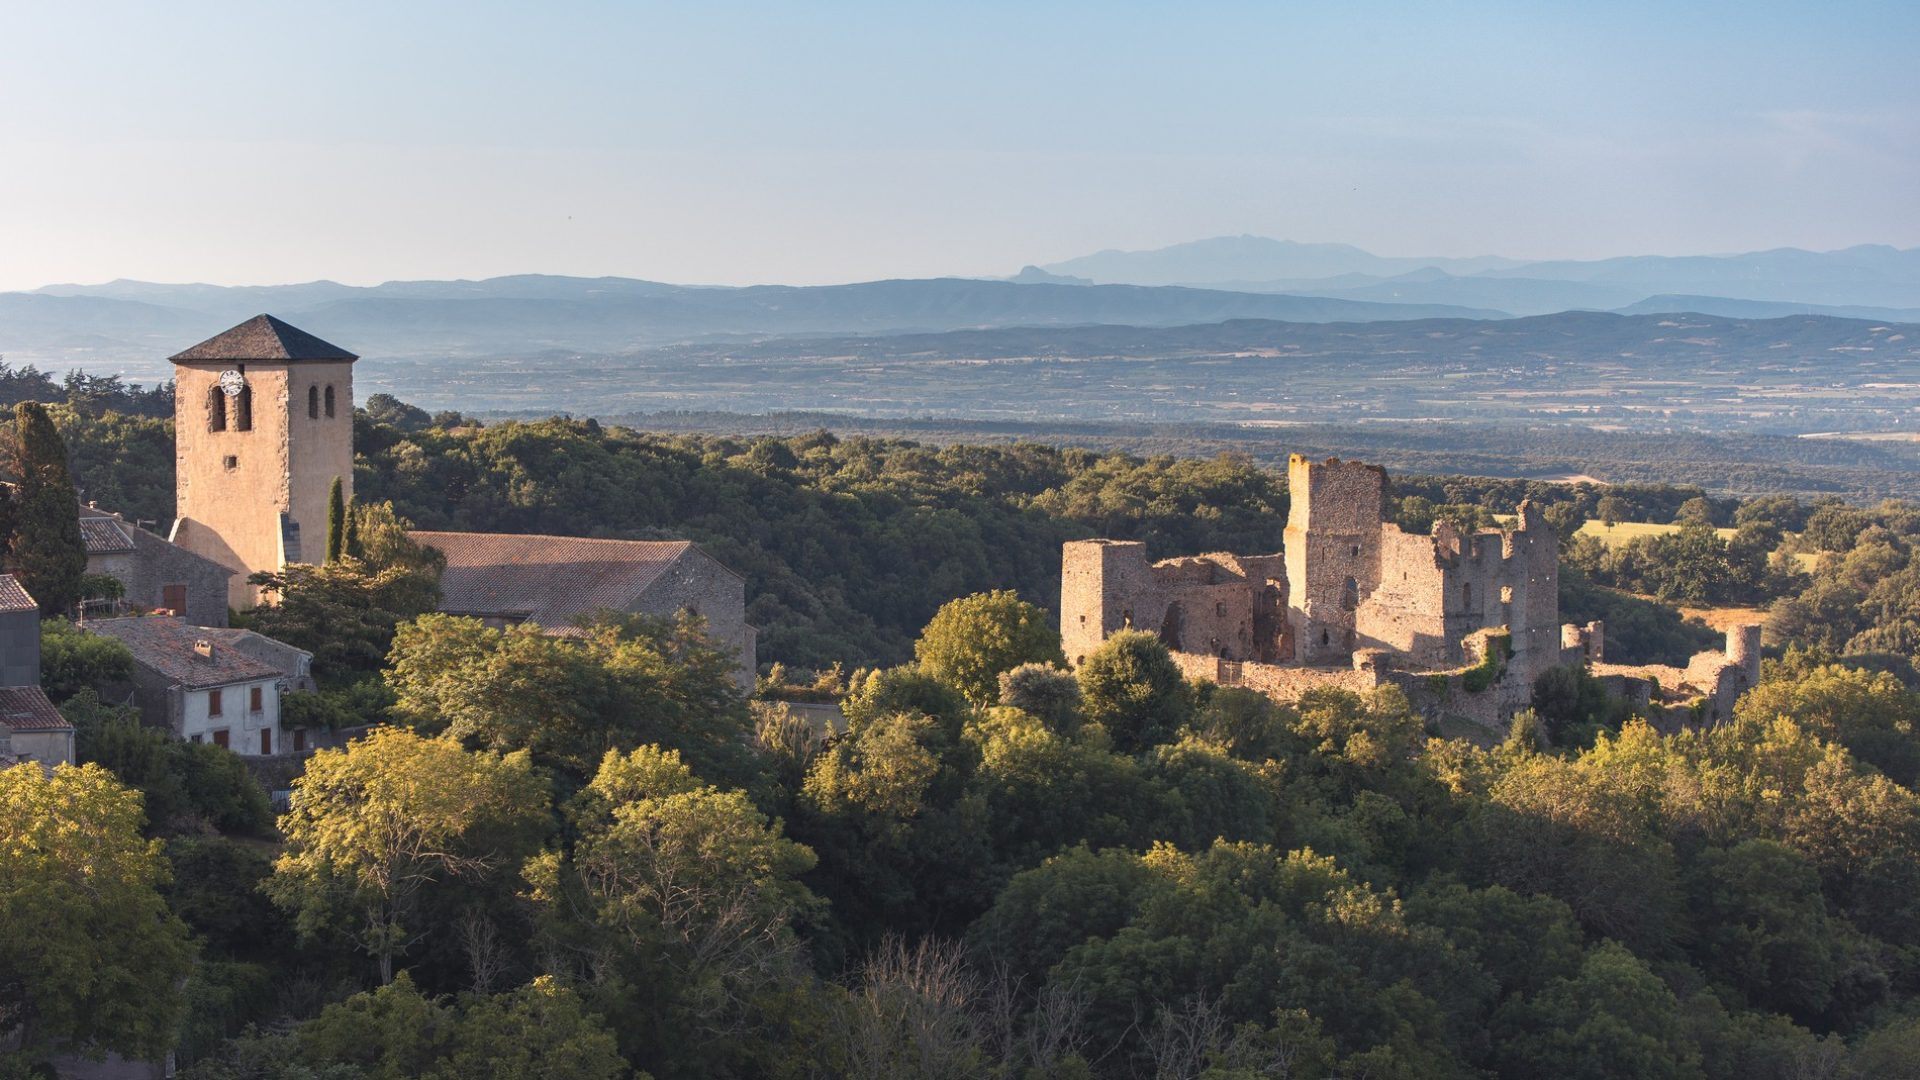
x=46, y=552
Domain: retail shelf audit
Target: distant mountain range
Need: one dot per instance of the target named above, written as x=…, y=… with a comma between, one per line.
x=132, y=326
x=132, y=322
x=1874, y=281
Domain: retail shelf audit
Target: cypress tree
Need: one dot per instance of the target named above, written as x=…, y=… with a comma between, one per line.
x=350, y=542
x=336, y=522
x=46, y=550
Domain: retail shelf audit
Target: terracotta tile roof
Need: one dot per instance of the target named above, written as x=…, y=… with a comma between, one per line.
x=264, y=337
x=26, y=708
x=164, y=644
x=548, y=580
x=13, y=597
x=104, y=536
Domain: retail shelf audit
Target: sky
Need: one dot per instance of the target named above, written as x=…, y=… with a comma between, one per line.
x=734, y=143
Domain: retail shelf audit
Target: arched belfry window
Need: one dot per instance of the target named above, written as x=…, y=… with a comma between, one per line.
x=216, y=408
x=329, y=402
x=243, y=409
x=313, y=403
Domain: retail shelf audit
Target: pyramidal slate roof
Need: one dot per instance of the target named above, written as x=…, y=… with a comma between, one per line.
x=264, y=338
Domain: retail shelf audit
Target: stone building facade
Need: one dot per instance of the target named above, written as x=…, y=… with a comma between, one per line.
x=1355, y=602
x=263, y=425
x=195, y=682
x=157, y=575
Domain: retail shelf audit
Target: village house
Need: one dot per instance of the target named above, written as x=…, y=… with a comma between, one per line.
x=552, y=581
x=31, y=729
x=210, y=684
x=156, y=575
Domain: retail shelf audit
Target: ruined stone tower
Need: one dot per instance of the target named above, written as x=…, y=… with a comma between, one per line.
x=1099, y=581
x=263, y=423
x=1332, y=546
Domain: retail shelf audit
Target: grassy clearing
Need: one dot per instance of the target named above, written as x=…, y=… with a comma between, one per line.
x=1628, y=531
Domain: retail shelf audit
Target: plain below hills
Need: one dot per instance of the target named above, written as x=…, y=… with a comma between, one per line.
x=1572, y=371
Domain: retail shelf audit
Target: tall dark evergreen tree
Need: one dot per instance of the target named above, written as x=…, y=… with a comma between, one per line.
x=350, y=537
x=336, y=521
x=46, y=551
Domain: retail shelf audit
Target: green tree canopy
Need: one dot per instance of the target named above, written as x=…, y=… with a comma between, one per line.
x=1131, y=685
x=47, y=552
x=373, y=825
x=626, y=682
x=973, y=640
x=90, y=957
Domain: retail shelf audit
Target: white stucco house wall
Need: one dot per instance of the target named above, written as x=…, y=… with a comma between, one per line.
x=206, y=687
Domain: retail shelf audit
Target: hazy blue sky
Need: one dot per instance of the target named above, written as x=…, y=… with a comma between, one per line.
x=817, y=142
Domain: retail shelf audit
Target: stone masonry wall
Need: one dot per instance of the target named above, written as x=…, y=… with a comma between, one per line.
x=1351, y=601
x=233, y=486
x=1332, y=548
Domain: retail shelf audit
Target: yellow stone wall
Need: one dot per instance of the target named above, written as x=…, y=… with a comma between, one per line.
x=233, y=486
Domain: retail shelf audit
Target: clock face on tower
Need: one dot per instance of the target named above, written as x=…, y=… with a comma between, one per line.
x=232, y=382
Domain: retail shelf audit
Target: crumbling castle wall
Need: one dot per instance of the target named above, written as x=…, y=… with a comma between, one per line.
x=1351, y=600
x=1355, y=602
x=1332, y=550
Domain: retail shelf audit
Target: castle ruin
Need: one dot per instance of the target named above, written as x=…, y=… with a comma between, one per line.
x=1462, y=622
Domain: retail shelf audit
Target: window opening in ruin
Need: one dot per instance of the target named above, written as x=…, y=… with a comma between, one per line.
x=1126, y=618
x=1506, y=594
x=1220, y=608
x=1349, y=595
x=216, y=408
x=1170, y=626
x=1083, y=620
x=1356, y=551
x=329, y=402
x=1466, y=593
x=1326, y=638
x=231, y=462
x=313, y=403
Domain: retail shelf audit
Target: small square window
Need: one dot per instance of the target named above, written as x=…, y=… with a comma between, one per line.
x=231, y=462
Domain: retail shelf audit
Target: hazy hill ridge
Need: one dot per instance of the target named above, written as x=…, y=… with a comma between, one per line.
x=131, y=321
x=1864, y=276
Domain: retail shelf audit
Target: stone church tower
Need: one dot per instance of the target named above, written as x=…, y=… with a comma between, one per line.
x=263, y=423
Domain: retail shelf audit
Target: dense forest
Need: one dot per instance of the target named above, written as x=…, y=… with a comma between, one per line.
x=593, y=857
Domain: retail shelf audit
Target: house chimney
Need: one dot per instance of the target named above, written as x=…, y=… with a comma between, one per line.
x=203, y=647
